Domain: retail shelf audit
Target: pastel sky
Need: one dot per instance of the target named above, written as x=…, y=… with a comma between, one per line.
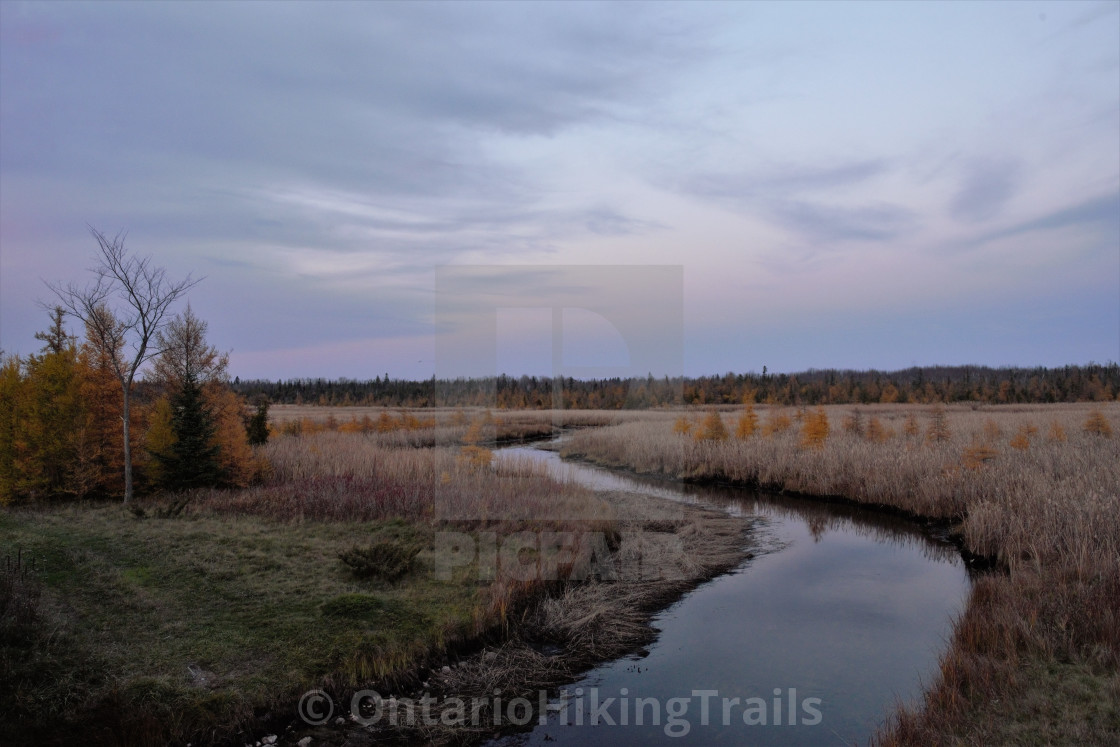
x=847, y=185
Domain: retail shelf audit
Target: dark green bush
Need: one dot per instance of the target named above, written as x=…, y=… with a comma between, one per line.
x=386, y=560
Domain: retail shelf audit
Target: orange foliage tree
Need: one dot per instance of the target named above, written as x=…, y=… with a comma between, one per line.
x=748, y=423
x=814, y=429
x=682, y=425
x=58, y=423
x=712, y=428
x=184, y=355
x=776, y=423
x=1097, y=424
x=877, y=432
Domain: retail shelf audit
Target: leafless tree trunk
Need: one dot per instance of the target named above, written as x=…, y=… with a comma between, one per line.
x=124, y=310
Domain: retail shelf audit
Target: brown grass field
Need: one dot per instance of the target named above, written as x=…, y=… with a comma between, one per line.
x=155, y=626
x=1034, y=488
x=1035, y=658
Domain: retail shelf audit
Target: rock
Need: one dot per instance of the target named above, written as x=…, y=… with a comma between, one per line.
x=490, y=656
x=305, y=742
x=339, y=721
x=446, y=669
x=270, y=739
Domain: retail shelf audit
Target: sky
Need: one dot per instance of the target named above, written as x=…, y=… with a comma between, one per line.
x=375, y=189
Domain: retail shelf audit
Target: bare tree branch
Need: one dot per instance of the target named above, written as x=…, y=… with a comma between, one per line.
x=126, y=305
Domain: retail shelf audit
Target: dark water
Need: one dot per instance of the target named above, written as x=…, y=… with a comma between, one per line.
x=817, y=639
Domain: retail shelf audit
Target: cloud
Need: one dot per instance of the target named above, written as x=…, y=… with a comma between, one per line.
x=790, y=196
x=827, y=224
x=318, y=165
x=188, y=118
x=986, y=186
x=748, y=187
x=1102, y=213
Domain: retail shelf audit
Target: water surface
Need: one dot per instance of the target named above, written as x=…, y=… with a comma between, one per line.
x=846, y=615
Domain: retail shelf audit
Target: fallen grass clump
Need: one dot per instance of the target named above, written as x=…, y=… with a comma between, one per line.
x=1047, y=511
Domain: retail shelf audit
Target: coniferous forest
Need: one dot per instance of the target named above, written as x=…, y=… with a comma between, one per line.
x=918, y=385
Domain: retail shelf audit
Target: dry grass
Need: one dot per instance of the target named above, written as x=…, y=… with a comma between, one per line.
x=338, y=476
x=562, y=634
x=237, y=572
x=404, y=428
x=1035, y=487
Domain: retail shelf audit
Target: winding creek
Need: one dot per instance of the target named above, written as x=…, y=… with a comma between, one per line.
x=843, y=614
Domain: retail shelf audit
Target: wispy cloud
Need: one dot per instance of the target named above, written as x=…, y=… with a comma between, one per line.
x=832, y=224
x=746, y=188
x=318, y=162
x=1100, y=213
x=986, y=186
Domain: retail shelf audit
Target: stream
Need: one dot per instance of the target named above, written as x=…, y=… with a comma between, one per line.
x=812, y=641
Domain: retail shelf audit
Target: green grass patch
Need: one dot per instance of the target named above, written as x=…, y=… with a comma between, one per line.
x=1052, y=703
x=210, y=618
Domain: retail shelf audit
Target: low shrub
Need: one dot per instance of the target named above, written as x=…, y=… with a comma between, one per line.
x=386, y=560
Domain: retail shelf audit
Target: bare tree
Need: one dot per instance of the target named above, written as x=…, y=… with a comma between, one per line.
x=124, y=310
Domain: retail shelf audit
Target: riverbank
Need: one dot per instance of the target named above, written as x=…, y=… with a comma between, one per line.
x=205, y=620
x=664, y=550
x=1042, y=634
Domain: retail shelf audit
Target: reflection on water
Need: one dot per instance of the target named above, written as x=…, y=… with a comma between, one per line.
x=828, y=632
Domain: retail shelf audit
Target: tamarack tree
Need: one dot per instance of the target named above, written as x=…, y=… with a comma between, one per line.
x=712, y=428
x=123, y=309
x=748, y=422
x=815, y=429
x=197, y=435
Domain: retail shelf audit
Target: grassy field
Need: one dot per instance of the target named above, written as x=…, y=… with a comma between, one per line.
x=1036, y=488
x=202, y=617
x=168, y=629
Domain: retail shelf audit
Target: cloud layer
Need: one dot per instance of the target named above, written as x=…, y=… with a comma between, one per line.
x=811, y=167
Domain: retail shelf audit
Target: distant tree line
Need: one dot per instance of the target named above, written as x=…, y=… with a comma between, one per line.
x=918, y=385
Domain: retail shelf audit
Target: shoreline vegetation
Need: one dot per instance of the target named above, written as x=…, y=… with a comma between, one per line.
x=201, y=617
x=1036, y=654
